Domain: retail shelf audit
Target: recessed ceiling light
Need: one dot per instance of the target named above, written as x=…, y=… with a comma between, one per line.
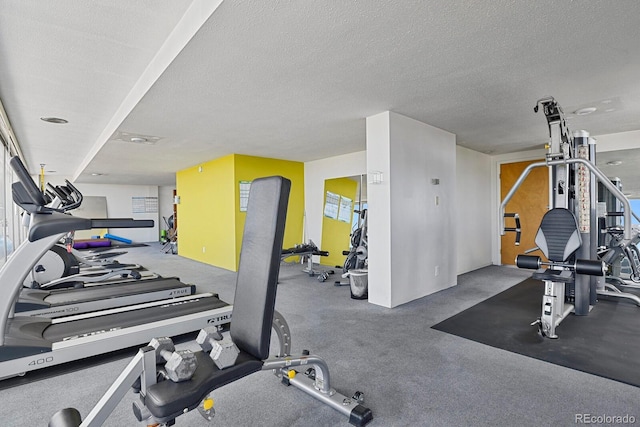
x=609, y=110
x=136, y=138
x=585, y=111
x=97, y=174
x=614, y=162
x=56, y=120
x=607, y=101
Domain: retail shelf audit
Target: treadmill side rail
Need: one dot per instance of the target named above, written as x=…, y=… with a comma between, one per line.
x=14, y=272
x=111, y=340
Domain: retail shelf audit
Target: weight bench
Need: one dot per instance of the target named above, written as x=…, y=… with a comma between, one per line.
x=305, y=251
x=558, y=238
x=161, y=402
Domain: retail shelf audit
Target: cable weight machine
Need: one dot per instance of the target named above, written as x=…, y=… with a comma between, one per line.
x=573, y=179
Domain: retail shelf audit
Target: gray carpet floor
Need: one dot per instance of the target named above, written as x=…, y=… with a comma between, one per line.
x=411, y=375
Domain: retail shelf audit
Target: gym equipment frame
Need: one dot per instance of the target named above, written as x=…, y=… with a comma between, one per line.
x=142, y=373
x=572, y=185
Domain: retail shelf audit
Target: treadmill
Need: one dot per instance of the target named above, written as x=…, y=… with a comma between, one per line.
x=65, y=302
x=102, y=295
x=30, y=343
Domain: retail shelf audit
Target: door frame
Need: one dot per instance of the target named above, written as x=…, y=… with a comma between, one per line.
x=497, y=162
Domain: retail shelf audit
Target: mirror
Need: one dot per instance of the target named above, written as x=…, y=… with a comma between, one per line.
x=342, y=196
x=625, y=165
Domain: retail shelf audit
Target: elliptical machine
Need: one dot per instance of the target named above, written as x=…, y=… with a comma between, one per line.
x=357, y=260
x=357, y=255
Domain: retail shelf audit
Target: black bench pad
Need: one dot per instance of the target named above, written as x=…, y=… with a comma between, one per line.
x=167, y=398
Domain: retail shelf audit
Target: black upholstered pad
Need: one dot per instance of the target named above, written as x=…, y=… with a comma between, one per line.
x=555, y=276
x=558, y=237
x=257, y=279
x=168, y=399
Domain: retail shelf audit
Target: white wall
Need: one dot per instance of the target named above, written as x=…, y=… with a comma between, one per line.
x=119, y=205
x=315, y=173
x=419, y=238
x=618, y=141
x=473, y=209
x=379, y=214
x=165, y=202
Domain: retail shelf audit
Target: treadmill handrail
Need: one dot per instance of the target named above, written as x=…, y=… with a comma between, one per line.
x=28, y=184
x=121, y=223
x=50, y=223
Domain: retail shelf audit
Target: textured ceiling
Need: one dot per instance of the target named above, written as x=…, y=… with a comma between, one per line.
x=296, y=79
x=628, y=170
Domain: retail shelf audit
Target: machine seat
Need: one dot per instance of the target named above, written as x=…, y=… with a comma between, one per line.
x=554, y=275
x=558, y=237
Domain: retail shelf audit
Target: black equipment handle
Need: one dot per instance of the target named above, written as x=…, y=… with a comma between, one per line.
x=75, y=195
x=121, y=223
x=59, y=194
x=515, y=229
x=57, y=222
x=48, y=193
x=70, y=196
x=68, y=202
x=28, y=185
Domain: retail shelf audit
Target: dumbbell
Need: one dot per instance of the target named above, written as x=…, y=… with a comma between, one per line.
x=180, y=365
x=324, y=275
x=223, y=351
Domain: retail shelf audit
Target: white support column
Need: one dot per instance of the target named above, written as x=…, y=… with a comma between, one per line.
x=412, y=209
x=379, y=214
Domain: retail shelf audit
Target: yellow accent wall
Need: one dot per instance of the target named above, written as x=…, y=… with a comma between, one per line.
x=336, y=233
x=205, y=217
x=248, y=168
x=215, y=221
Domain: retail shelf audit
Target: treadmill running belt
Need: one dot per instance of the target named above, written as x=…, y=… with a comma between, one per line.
x=58, y=332
x=112, y=290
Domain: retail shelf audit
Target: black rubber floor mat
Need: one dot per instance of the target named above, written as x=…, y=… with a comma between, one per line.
x=604, y=343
